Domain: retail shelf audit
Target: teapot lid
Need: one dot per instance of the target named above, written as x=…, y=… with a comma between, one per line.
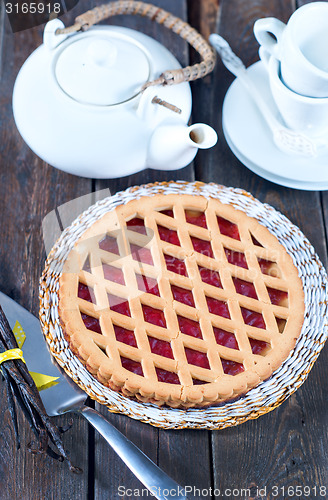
x=102, y=69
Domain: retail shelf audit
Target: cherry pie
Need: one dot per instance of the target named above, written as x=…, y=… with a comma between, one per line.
x=180, y=300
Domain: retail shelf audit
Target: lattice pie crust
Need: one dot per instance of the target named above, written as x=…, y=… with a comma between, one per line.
x=180, y=300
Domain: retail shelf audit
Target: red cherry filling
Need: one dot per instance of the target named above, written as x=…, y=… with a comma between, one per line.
x=137, y=225
x=109, y=244
x=197, y=358
x=186, y=326
x=245, y=288
x=236, y=258
x=154, y=316
x=255, y=242
x=228, y=339
x=253, y=318
x=269, y=268
x=189, y=327
x=182, y=295
x=175, y=265
x=202, y=246
x=258, y=346
x=125, y=336
x=91, y=323
x=112, y=273
x=141, y=254
x=218, y=307
x=277, y=296
x=169, y=212
x=148, y=285
x=168, y=235
x=231, y=367
x=132, y=366
x=196, y=218
x=166, y=376
x=224, y=338
x=85, y=292
x=160, y=347
x=228, y=228
x=210, y=277
x=195, y=381
x=119, y=304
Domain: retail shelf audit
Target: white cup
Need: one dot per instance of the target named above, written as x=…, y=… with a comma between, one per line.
x=301, y=46
x=300, y=113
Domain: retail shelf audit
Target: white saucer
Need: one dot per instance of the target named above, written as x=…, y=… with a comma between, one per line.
x=250, y=139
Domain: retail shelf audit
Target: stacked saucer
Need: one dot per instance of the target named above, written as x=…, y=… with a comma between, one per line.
x=251, y=140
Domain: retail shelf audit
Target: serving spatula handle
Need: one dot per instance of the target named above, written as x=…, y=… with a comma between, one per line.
x=159, y=483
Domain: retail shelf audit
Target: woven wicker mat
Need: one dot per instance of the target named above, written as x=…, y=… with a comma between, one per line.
x=258, y=401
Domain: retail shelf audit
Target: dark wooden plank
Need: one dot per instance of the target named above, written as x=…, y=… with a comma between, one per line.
x=287, y=446
x=2, y=27
x=111, y=474
x=186, y=456
x=29, y=189
x=178, y=453
x=299, y=3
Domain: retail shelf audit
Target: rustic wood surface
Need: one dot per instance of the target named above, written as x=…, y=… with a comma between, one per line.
x=287, y=447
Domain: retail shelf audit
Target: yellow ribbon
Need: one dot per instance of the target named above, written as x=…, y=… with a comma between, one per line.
x=41, y=381
x=19, y=334
x=11, y=354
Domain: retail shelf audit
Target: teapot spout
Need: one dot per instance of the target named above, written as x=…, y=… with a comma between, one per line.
x=174, y=146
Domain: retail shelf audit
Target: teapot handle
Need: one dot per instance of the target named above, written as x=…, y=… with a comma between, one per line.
x=169, y=77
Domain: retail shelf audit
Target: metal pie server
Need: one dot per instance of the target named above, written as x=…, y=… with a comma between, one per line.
x=66, y=396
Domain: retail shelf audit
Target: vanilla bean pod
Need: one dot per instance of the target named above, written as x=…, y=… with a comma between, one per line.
x=20, y=384
x=35, y=407
x=11, y=406
x=20, y=401
x=8, y=341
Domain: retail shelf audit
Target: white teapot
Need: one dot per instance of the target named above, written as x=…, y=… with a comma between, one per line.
x=97, y=104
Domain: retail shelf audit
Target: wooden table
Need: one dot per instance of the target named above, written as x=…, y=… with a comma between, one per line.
x=287, y=447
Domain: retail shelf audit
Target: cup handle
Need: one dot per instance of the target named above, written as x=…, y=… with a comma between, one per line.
x=264, y=28
x=265, y=55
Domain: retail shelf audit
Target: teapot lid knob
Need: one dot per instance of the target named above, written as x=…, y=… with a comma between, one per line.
x=102, y=52
x=102, y=67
